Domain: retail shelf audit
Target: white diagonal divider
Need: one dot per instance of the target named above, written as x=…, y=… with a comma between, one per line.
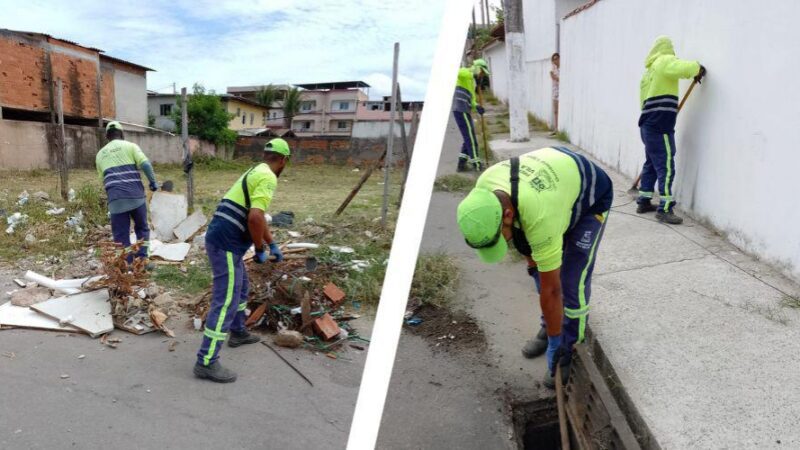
x=410, y=224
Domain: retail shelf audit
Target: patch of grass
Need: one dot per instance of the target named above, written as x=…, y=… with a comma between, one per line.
x=435, y=279
x=536, y=123
x=562, y=136
x=454, y=183
x=491, y=98
x=790, y=302
x=196, y=279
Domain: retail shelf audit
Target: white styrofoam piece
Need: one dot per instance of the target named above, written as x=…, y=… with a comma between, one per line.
x=308, y=245
x=189, y=226
x=170, y=252
x=166, y=212
x=23, y=317
x=88, y=311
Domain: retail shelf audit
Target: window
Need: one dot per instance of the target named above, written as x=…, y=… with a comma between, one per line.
x=251, y=118
x=308, y=106
x=238, y=112
x=274, y=114
x=264, y=118
x=303, y=125
x=244, y=119
x=342, y=125
x=341, y=106
x=165, y=109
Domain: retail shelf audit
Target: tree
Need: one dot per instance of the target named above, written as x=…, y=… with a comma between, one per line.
x=291, y=105
x=267, y=95
x=207, y=117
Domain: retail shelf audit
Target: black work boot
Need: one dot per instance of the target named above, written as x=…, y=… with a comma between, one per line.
x=550, y=382
x=238, y=338
x=462, y=165
x=644, y=207
x=214, y=372
x=536, y=346
x=669, y=217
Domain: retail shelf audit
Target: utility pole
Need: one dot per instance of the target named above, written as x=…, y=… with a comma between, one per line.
x=515, y=52
x=390, y=144
x=187, y=155
x=62, y=143
x=483, y=14
x=488, y=15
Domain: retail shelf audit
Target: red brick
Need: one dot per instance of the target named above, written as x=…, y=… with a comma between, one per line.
x=333, y=293
x=326, y=327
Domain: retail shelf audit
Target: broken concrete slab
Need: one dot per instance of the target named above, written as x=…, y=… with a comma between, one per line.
x=169, y=252
x=138, y=324
x=326, y=327
x=289, y=338
x=89, y=311
x=30, y=296
x=23, y=317
x=166, y=212
x=189, y=226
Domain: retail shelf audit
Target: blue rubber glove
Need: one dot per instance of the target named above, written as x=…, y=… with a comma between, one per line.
x=480, y=110
x=276, y=252
x=153, y=186
x=553, y=354
x=261, y=256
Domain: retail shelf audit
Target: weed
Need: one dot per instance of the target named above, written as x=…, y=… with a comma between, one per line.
x=536, y=123
x=562, y=136
x=207, y=162
x=490, y=97
x=196, y=279
x=435, y=279
x=790, y=302
x=454, y=183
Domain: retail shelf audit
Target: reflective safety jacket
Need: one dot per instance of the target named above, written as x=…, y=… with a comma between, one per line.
x=464, y=98
x=557, y=187
x=228, y=228
x=658, y=90
x=118, y=164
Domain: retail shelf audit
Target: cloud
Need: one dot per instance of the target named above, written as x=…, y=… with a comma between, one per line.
x=239, y=42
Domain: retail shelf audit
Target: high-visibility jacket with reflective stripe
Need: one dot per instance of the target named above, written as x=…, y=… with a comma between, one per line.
x=228, y=228
x=464, y=97
x=118, y=164
x=658, y=89
x=556, y=188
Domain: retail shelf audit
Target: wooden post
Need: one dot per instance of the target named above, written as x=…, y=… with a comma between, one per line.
x=404, y=142
x=61, y=154
x=187, y=155
x=390, y=144
x=358, y=186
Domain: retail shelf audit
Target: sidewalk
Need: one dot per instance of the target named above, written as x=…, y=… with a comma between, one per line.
x=694, y=329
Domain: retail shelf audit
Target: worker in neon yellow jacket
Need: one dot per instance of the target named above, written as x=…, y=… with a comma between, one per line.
x=658, y=95
x=464, y=104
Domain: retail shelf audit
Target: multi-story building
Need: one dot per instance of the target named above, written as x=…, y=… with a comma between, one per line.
x=275, y=111
x=329, y=108
x=247, y=114
x=95, y=86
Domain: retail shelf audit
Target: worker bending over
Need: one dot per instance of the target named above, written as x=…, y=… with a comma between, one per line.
x=552, y=204
x=237, y=224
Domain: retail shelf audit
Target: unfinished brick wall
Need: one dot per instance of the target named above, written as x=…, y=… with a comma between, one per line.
x=23, y=75
x=322, y=149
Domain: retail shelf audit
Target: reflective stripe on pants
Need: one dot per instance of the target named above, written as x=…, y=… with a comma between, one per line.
x=228, y=293
x=659, y=166
x=469, y=148
x=580, y=253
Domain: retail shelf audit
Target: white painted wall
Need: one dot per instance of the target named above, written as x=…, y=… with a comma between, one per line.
x=130, y=97
x=498, y=67
x=377, y=129
x=737, y=151
x=540, y=44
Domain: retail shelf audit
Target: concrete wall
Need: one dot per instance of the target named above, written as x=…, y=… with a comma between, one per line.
x=323, y=149
x=737, y=154
x=29, y=145
x=377, y=129
x=130, y=96
x=498, y=67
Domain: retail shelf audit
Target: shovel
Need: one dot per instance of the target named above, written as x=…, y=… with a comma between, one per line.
x=634, y=190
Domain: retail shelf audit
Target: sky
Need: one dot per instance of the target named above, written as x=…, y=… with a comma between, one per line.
x=238, y=43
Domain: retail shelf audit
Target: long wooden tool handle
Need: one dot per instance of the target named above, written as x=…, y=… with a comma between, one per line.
x=686, y=95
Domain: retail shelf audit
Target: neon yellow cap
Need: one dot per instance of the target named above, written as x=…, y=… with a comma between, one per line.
x=115, y=125
x=278, y=145
x=479, y=217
